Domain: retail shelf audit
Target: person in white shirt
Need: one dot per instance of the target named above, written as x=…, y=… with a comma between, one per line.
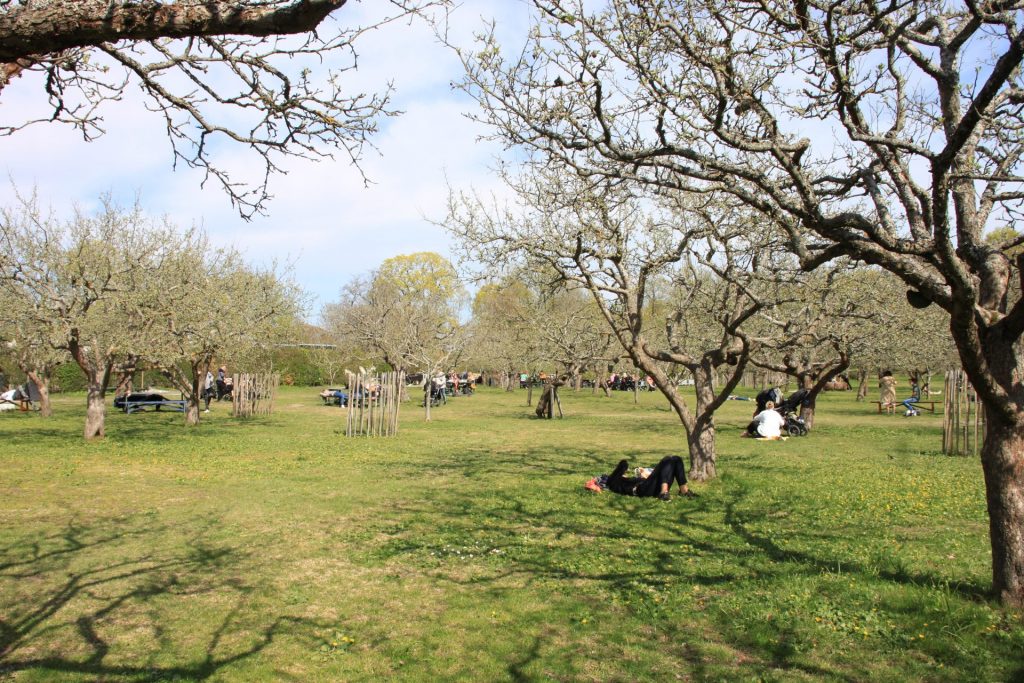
x=767, y=424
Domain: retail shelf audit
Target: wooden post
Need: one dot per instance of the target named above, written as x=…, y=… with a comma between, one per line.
x=348, y=408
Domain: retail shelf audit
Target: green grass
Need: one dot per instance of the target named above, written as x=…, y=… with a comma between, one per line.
x=467, y=549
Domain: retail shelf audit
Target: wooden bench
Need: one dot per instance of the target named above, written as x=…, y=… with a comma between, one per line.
x=923, y=404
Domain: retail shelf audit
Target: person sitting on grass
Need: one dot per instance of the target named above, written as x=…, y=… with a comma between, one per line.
x=657, y=483
x=767, y=424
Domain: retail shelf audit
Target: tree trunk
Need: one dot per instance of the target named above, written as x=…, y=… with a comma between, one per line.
x=95, y=412
x=702, y=452
x=701, y=436
x=544, y=403
x=42, y=382
x=807, y=410
x=427, y=390
x=862, y=384
x=1002, y=460
x=193, y=398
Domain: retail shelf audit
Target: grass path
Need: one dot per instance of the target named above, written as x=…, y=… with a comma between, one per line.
x=467, y=549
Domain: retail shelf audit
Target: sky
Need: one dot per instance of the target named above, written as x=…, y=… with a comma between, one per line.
x=322, y=218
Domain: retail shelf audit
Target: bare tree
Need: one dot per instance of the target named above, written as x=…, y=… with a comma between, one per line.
x=573, y=333
x=209, y=303
x=616, y=246
x=831, y=318
x=84, y=282
x=28, y=343
x=265, y=74
x=886, y=132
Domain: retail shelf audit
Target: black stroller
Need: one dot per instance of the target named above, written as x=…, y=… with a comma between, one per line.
x=790, y=411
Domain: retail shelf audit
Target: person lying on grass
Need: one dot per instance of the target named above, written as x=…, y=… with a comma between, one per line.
x=767, y=424
x=657, y=483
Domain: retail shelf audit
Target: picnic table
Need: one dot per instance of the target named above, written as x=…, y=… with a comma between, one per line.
x=141, y=401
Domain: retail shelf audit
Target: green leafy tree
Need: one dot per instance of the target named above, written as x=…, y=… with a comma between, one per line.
x=406, y=312
x=502, y=336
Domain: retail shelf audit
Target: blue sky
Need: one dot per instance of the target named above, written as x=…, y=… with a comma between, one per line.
x=322, y=218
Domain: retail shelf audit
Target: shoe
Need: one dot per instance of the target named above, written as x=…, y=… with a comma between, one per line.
x=207, y=410
x=690, y=494
x=665, y=497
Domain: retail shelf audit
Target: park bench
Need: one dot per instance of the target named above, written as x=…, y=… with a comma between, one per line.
x=923, y=404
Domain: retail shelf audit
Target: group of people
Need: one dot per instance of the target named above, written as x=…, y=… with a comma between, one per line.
x=628, y=382
x=219, y=388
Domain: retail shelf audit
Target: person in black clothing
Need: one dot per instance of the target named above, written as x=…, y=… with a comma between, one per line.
x=773, y=395
x=656, y=484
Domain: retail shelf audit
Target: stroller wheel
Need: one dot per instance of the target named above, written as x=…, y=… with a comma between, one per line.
x=793, y=430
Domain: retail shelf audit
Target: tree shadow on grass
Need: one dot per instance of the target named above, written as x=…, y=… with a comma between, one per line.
x=818, y=564
x=68, y=600
x=566, y=536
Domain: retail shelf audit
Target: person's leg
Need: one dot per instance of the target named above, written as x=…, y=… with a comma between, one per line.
x=660, y=479
x=679, y=473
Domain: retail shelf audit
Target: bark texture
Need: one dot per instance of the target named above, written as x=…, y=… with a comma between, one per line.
x=45, y=28
x=95, y=413
x=42, y=383
x=1002, y=459
x=701, y=438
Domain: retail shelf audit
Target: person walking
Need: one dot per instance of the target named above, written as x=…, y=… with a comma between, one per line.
x=208, y=390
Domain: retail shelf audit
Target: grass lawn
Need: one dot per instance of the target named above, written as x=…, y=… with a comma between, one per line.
x=467, y=549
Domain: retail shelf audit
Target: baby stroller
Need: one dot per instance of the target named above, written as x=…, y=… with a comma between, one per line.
x=790, y=410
